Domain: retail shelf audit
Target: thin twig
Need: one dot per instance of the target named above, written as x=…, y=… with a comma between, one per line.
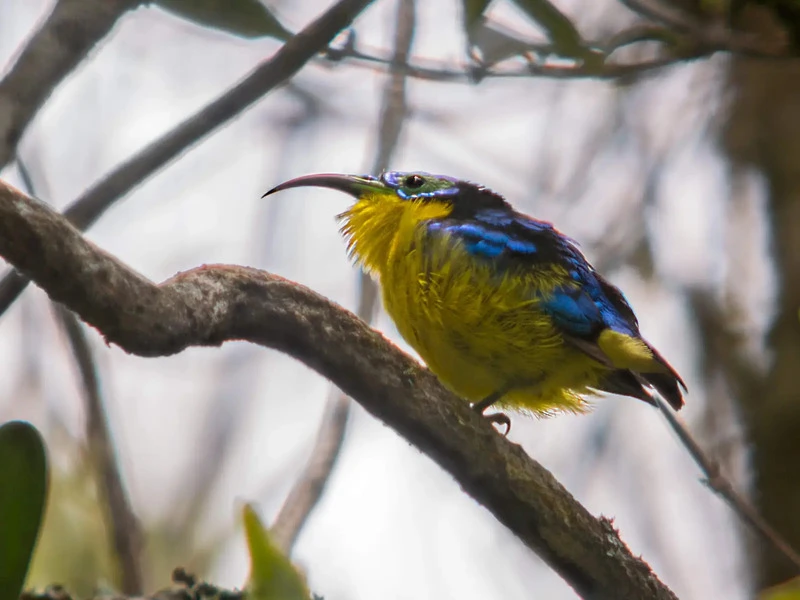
x=292, y=56
x=717, y=482
x=126, y=532
x=209, y=305
x=307, y=489
x=310, y=485
x=64, y=39
x=443, y=72
x=699, y=42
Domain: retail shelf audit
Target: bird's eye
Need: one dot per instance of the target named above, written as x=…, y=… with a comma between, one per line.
x=413, y=182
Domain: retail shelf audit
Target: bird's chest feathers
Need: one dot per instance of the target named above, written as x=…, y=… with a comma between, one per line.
x=475, y=325
x=381, y=231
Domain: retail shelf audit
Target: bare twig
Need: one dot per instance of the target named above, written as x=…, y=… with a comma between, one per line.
x=63, y=40
x=126, y=532
x=443, y=72
x=308, y=488
x=313, y=39
x=212, y=304
x=702, y=43
x=310, y=485
x=722, y=486
x=394, y=108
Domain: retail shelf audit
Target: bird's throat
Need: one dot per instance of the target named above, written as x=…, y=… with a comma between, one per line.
x=380, y=229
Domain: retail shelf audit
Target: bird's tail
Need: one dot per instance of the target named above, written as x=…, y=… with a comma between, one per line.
x=666, y=382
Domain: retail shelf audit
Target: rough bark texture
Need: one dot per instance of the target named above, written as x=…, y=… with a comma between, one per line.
x=211, y=304
x=763, y=132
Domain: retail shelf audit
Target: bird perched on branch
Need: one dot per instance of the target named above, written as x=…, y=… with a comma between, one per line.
x=502, y=307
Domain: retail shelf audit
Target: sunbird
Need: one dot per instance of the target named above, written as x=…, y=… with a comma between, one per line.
x=502, y=307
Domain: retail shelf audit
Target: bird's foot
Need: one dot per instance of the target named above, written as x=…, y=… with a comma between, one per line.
x=495, y=418
x=499, y=419
x=481, y=406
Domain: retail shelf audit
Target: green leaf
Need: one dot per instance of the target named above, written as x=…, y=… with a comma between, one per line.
x=245, y=18
x=23, y=489
x=272, y=575
x=560, y=30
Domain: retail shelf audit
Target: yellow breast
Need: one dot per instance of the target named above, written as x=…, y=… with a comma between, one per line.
x=478, y=332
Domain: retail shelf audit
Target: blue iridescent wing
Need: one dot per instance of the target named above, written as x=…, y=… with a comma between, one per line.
x=582, y=308
x=516, y=242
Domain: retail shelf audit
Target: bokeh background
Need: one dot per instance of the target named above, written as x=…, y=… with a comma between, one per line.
x=674, y=182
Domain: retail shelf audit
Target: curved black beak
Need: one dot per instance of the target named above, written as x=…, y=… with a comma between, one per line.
x=355, y=185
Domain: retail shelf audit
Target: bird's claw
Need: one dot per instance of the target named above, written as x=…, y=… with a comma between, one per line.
x=494, y=418
x=499, y=419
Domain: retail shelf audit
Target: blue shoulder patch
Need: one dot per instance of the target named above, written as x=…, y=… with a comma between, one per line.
x=486, y=248
x=487, y=240
x=573, y=311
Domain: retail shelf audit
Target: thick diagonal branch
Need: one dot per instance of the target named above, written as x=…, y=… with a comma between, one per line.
x=212, y=304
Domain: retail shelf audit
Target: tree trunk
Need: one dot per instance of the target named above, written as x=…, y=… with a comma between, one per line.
x=763, y=132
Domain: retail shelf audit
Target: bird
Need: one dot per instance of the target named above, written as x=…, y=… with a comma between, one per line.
x=503, y=308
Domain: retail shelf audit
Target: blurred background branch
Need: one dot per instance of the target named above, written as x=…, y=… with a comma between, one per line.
x=125, y=531
x=722, y=486
x=65, y=38
x=310, y=485
x=126, y=534
x=86, y=209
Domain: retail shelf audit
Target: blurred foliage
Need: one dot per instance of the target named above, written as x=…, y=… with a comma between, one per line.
x=23, y=490
x=495, y=45
x=245, y=18
x=74, y=549
x=560, y=30
x=272, y=575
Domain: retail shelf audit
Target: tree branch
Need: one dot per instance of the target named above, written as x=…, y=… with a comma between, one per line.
x=212, y=304
x=63, y=40
x=295, y=53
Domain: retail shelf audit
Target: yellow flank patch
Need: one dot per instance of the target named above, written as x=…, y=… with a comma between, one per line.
x=628, y=352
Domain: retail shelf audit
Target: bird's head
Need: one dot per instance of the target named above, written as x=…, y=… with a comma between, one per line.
x=389, y=208
x=406, y=190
